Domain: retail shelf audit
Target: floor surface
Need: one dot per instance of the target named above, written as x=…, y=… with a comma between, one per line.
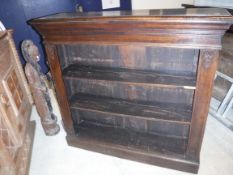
x=52, y=156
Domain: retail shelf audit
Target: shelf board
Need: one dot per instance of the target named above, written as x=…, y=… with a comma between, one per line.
x=129, y=76
x=131, y=140
x=152, y=111
x=142, y=147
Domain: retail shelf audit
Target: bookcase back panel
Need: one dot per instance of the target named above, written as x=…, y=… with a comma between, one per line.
x=131, y=92
x=132, y=87
x=159, y=59
x=157, y=127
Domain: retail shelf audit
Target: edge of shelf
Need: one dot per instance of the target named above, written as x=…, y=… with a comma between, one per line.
x=155, y=159
x=135, y=83
x=109, y=102
x=124, y=70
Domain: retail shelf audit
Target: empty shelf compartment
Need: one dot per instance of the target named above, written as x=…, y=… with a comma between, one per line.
x=129, y=76
x=152, y=111
x=94, y=136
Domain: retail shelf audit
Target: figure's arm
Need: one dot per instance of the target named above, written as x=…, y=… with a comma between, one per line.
x=44, y=82
x=29, y=74
x=34, y=80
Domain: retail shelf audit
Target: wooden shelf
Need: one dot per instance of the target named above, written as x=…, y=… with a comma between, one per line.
x=129, y=76
x=130, y=140
x=150, y=80
x=143, y=110
x=135, y=146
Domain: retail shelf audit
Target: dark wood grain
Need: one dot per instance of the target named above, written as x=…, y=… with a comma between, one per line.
x=208, y=62
x=129, y=76
x=197, y=30
x=175, y=61
x=123, y=90
x=153, y=149
x=136, y=84
x=59, y=87
x=162, y=119
x=147, y=110
x=124, y=138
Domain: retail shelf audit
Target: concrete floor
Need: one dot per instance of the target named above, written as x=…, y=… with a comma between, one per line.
x=52, y=156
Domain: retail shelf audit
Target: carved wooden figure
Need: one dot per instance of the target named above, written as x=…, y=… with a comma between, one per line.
x=37, y=82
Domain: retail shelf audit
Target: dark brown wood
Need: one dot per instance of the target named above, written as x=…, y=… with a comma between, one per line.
x=194, y=6
x=152, y=149
x=59, y=87
x=157, y=118
x=150, y=27
x=129, y=76
x=150, y=111
x=136, y=84
x=134, y=140
x=208, y=62
x=129, y=91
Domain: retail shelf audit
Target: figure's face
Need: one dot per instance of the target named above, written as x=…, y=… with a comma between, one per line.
x=34, y=53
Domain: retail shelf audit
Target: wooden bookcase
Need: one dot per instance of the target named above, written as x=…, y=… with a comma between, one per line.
x=136, y=85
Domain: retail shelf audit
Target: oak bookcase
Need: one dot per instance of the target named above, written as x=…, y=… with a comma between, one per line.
x=136, y=84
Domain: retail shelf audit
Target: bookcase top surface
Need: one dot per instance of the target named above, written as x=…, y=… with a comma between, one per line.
x=216, y=13
x=184, y=28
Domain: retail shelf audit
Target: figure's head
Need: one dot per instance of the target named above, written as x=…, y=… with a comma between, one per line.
x=30, y=51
